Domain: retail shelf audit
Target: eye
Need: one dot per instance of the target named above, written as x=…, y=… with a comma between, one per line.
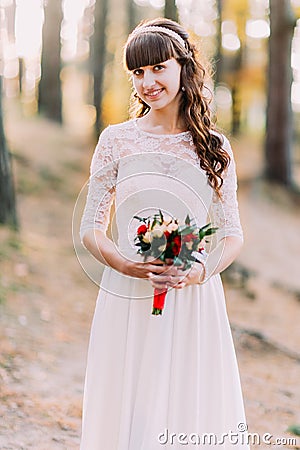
x=158, y=67
x=137, y=72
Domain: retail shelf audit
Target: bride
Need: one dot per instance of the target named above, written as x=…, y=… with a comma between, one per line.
x=155, y=382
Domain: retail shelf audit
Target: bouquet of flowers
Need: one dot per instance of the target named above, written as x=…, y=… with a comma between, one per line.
x=172, y=242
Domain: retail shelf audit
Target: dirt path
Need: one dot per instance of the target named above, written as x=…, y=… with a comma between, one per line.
x=46, y=300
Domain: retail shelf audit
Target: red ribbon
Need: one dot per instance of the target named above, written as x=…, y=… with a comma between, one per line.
x=159, y=300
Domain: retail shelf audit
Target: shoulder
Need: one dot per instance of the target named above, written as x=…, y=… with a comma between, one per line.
x=110, y=138
x=118, y=130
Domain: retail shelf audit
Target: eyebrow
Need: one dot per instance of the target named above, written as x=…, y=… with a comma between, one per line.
x=151, y=65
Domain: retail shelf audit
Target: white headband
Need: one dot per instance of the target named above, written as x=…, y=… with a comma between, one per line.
x=155, y=28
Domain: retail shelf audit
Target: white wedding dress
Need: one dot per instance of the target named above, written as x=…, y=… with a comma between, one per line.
x=156, y=382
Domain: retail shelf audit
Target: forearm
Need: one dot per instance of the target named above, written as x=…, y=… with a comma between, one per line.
x=104, y=250
x=223, y=255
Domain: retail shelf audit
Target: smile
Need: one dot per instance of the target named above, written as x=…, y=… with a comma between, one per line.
x=154, y=94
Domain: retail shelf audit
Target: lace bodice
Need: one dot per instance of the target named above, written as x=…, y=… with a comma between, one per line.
x=142, y=172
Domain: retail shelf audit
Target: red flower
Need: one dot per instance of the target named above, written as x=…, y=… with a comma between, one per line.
x=167, y=234
x=176, y=245
x=142, y=229
x=189, y=237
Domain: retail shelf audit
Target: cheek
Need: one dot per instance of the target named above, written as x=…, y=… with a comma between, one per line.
x=136, y=84
x=175, y=83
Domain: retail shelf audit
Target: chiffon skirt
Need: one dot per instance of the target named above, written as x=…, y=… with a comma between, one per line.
x=161, y=382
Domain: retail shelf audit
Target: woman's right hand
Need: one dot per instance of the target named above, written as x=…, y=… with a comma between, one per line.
x=142, y=269
x=159, y=274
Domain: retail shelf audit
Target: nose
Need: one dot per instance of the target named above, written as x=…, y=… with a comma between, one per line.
x=149, y=79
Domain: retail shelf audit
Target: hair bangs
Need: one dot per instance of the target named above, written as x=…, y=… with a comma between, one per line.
x=148, y=49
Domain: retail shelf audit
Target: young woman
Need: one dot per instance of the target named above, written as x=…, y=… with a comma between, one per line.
x=168, y=381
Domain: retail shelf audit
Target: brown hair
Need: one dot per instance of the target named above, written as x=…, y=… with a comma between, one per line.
x=150, y=48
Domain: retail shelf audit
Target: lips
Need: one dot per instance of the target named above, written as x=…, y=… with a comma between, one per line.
x=154, y=93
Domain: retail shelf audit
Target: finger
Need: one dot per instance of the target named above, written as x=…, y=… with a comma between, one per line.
x=175, y=281
x=183, y=279
x=161, y=279
x=160, y=286
x=156, y=268
x=158, y=276
x=179, y=286
x=156, y=262
x=172, y=270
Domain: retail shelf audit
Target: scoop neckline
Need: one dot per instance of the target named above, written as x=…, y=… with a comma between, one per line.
x=182, y=133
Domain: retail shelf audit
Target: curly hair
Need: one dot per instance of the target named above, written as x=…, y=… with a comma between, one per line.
x=149, y=48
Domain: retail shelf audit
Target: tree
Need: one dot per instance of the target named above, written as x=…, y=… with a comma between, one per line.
x=279, y=112
x=50, y=98
x=218, y=54
x=7, y=193
x=98, y=58
x=233, y=60
x=131, y=15
x=171, y=11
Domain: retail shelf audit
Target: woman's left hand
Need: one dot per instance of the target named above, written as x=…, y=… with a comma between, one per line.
x=169, y=278
x=192, y=276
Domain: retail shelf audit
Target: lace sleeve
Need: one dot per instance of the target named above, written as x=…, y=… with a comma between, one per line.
x=101, y=187
x=225, y=211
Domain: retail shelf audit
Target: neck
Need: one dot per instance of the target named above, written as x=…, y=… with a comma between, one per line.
x=164, y=121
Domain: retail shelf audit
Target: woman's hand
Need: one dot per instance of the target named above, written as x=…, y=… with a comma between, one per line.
x=143, y=269
x=170, y=277
x=194, y=275
x=161, y=276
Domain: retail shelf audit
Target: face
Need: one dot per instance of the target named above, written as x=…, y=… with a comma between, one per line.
x=158, y=85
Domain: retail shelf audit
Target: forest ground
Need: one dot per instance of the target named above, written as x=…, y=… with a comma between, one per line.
x=47, y=301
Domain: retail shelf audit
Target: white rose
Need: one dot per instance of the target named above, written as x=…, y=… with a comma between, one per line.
x=147, y=238
x=162, y=248
x=157, y=233
x=167, y=219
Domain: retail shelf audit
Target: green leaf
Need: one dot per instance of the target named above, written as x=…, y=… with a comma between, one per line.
x=155, y=221
x=205, y=231
x=187, y=220
x=295, y=429
x=183, y=231
x=145, y=246
x=211, y=231
x=141, y=219
x=161, y=216
x=178, y=261
x=205, y=227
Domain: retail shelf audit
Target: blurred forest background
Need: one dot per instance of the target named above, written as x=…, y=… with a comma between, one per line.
x=61, y=82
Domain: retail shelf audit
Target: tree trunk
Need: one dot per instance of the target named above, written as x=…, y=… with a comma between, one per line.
x=236, y=109
x=279, y=112
x=98, y=58
x=171, y=11
x=218, y=53
x=7, y=193
x=131, y=15
x=50, y=97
